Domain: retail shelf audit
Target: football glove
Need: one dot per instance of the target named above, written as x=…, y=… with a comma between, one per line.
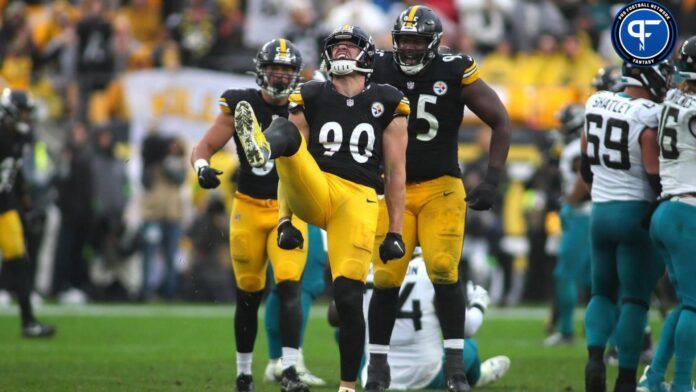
x=288, y=236
x=482, y=197
x=392, y=247
x=207, y=177
x=477, y=296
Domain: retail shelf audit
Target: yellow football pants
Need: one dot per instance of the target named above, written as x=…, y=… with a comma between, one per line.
x=434, y=218
x=11, y=236
x=346, y=210
x=253, y=240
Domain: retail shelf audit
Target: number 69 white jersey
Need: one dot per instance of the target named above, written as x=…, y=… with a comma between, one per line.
x=614, y=123
x=677, y=139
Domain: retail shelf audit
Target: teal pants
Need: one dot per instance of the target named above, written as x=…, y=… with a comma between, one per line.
x=673, y=229
x=312, y=287
x=625, y=270
x=573, y=265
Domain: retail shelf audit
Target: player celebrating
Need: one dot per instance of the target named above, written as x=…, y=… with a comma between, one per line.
x=253, y=227
x=439, y=86
x=328, y=158
x=415, y=356
x=620, y=162
x=672, y=225
x=574, y=249
x=16, y=109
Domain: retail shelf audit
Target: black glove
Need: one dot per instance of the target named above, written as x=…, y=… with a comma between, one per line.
x=288, y=236
x=207, y=177
x=483, y=196
x=392, y=247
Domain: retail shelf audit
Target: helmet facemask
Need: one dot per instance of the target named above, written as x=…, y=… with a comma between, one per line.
x=412, y=60
x=342, y=63
x=277, y=84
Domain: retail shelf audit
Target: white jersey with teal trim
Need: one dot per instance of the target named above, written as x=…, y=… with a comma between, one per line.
x=614, y=123
x=415, y=348
x=677, y=138
x=566, y=165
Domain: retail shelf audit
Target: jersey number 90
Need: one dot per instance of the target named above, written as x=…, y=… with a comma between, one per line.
x=331, y=137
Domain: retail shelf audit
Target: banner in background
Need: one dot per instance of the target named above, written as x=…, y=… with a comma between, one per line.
x=182, y=103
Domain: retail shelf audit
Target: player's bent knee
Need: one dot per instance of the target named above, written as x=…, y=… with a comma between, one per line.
x=353, y=269
x=386, y=279
x=250, y=282
x=348, y=296
x=443, y=269
x=287, y=272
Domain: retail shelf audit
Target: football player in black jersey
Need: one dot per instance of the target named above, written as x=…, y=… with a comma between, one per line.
x=255, y=211
x=438, y=86
x=16, y=108
x=340, y=132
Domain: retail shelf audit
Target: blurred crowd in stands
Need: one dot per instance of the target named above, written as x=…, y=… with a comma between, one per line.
x=72, y=55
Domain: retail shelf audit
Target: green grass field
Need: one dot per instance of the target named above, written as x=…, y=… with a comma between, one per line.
x=191, y=348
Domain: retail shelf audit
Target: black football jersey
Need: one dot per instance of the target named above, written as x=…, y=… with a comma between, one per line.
x=260, y=183
x=345, y=134
x=435, y=96
x=12, y=146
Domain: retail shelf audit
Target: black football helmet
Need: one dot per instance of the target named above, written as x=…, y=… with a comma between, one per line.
x=418, y=21
x=686, y=64
x=278, y=51
x=656, y=79
x=17, y=108
x=572, y=119
x=607, y=78
x=342, y=66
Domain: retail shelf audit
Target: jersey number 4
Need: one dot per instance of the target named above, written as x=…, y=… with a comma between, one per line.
x=415, y=314
x=596, y=122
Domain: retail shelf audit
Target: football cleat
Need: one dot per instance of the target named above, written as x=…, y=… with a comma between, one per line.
x=645, y=386
x=457, y=383
x=38, y=330
x=305, y=375
x=254, y=143
x=595, y=377
x=558, y=339
x=493, y=369
x=378, y=376
x=273, y=371
x=290, y=381
x=245, y=383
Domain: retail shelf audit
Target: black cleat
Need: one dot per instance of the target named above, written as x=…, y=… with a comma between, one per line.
x=38, y=330
x=457, y=383
x=378, y=376
x=595, y=377
x=245, y=383
x=290, y=381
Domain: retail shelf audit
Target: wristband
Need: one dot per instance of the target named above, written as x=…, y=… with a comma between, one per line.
x=199, y=164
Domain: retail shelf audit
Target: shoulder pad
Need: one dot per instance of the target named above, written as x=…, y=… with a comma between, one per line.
x=229, y=99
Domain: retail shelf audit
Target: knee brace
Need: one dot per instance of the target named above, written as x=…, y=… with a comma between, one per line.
x=283, y=137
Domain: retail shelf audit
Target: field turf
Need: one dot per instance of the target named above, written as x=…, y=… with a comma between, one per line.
x=191, y=348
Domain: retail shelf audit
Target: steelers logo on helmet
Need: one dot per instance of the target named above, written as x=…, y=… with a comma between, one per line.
x=377, y=109
x=440, y=88
x=644, y=33
x=338, y=48
x=273, y=56
x=416, y=37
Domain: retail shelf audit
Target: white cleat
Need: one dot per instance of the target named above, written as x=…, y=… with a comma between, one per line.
x=493, y=369
x=254, y=143
x=644, y=386
x=273, y=371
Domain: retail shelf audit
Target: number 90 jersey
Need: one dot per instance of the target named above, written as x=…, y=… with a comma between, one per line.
x=262, y=182
x=677, y=138
x=436, y=94
x=613, y=125
x=345, y=134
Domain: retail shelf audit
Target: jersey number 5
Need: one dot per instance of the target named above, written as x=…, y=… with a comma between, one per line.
x=423, y=114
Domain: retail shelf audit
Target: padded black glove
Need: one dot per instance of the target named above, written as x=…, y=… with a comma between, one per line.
x=483, y=196
x=207, y=177
x=392, y=247
x=288, y=236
